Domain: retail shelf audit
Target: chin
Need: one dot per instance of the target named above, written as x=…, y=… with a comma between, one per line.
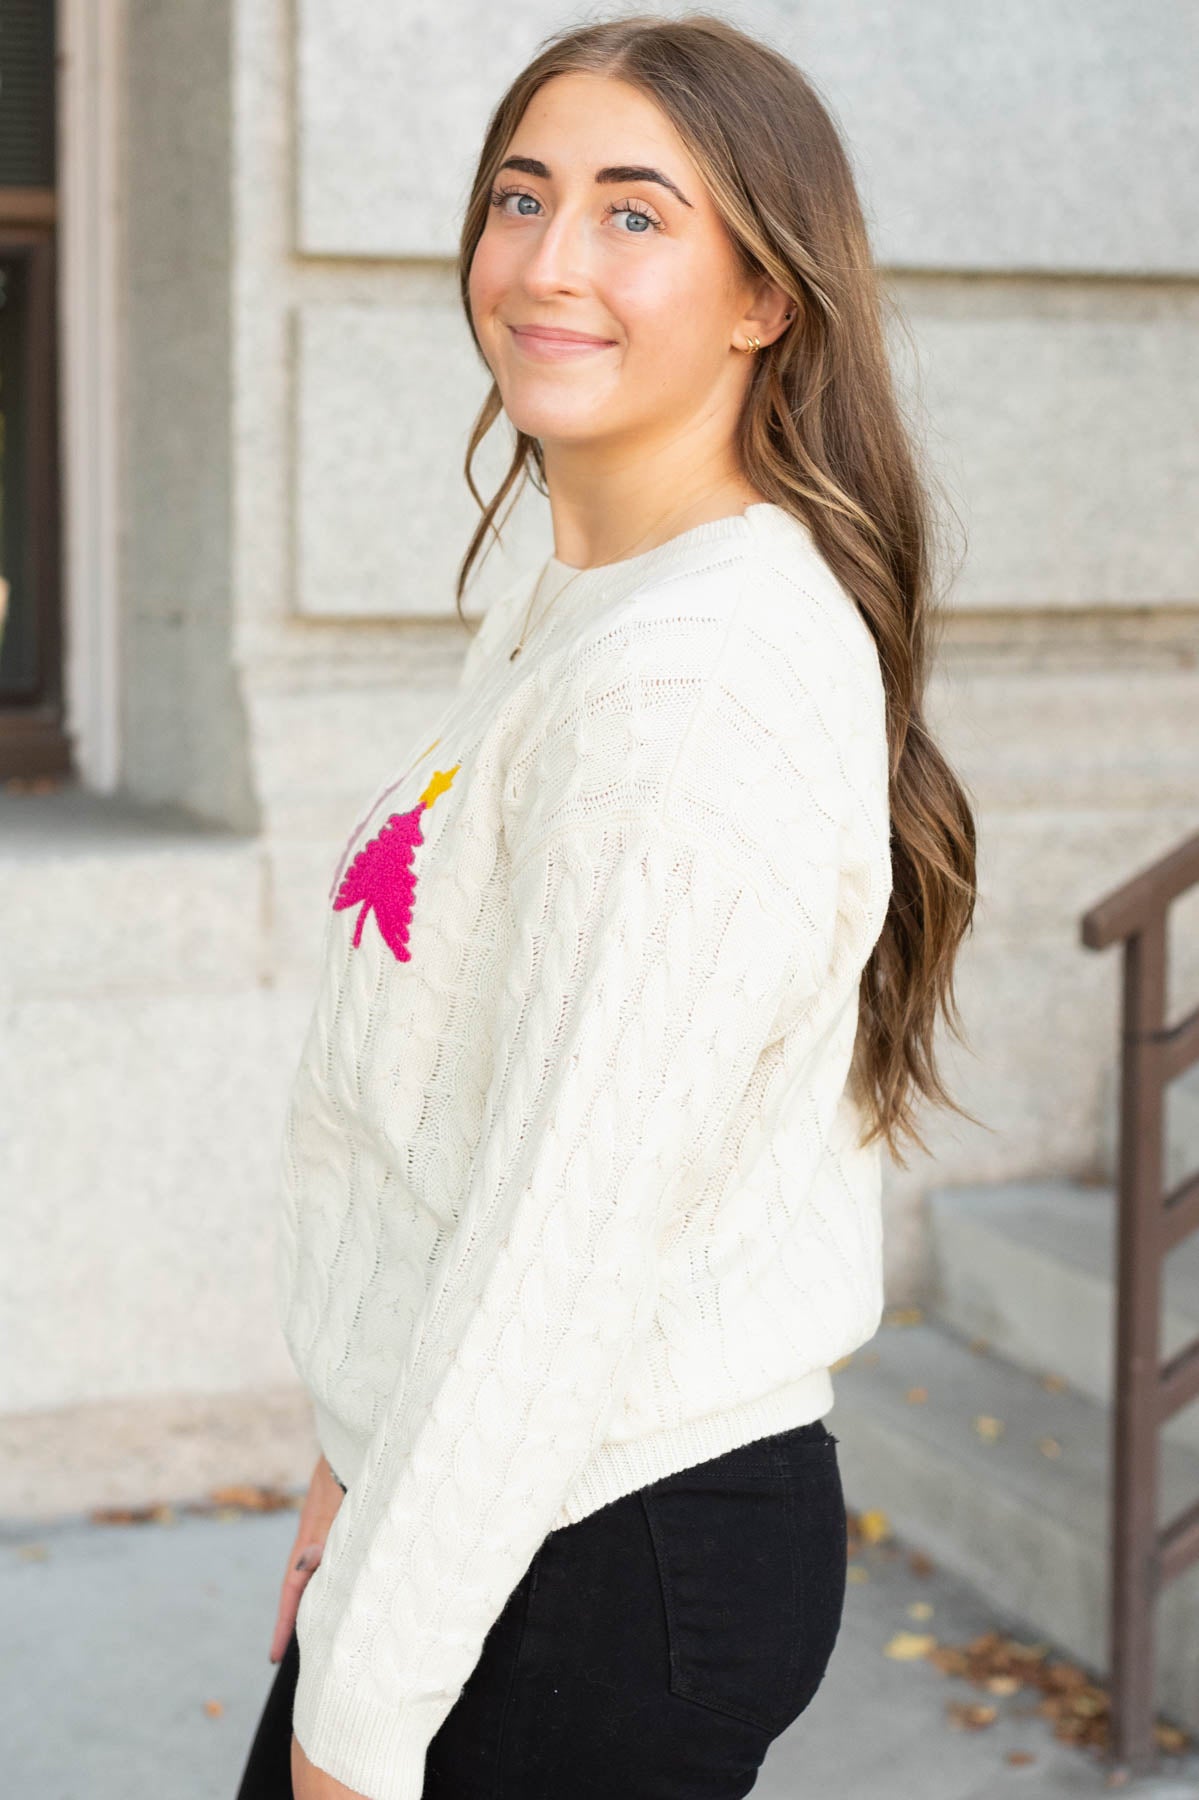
x=565, y=424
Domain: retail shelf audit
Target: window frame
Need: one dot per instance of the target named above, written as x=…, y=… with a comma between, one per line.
x=33, y=736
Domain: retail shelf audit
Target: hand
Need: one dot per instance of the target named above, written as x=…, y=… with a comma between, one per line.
x=310, y=1783
x=316, y=1515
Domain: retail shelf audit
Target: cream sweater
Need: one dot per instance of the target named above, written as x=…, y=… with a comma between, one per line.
x=573, y=1193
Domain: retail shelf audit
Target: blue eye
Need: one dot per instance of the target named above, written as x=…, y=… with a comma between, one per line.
x=646, y=219
x=499, y=195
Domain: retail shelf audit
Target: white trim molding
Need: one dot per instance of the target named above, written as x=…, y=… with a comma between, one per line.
x=90, y=40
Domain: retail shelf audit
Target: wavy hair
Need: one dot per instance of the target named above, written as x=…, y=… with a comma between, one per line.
x=821, y=434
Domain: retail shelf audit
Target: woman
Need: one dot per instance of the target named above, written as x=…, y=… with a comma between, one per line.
x=629, y=977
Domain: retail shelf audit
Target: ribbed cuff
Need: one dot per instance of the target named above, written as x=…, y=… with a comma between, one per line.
x=377, y=1750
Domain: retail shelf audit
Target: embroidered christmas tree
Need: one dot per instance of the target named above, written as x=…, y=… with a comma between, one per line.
x=382, y=877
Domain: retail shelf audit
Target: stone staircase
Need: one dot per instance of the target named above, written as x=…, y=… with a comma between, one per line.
x=1020, y=1329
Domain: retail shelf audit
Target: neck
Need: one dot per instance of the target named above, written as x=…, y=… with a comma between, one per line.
x=612, y=503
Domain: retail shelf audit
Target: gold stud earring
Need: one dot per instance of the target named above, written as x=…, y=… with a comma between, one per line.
x=754, y=343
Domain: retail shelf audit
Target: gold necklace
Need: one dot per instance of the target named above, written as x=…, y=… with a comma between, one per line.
x=514, y=653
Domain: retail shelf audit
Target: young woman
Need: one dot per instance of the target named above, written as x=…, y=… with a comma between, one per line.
x=630, y=976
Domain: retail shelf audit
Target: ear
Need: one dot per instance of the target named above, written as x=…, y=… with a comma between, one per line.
x=770, y=312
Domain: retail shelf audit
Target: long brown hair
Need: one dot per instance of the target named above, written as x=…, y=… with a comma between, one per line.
x=820, y=434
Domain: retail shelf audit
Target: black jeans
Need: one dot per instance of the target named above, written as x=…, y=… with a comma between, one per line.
x=652, y=1650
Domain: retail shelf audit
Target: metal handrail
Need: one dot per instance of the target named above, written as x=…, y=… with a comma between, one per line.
x=1143, y=1556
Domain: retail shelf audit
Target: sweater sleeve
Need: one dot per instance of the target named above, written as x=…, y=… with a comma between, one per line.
x=646, y=962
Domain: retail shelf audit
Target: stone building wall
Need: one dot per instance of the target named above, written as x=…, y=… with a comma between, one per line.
x=296, y=389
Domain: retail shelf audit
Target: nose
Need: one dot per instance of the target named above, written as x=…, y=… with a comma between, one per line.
x=558, y=255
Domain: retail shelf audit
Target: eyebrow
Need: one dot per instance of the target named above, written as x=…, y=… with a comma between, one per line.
x=619, y=172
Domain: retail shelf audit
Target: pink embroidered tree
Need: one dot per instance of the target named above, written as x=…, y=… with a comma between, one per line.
x=382, y=876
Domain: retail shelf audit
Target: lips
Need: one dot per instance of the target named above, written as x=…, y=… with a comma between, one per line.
x=547, y=334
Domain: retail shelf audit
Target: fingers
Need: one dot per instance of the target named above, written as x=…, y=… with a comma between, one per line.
x=320, y=1507
x=321, y=1504
x=298, y=1575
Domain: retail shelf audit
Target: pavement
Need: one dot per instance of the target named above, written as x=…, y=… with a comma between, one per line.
x=133, y=1663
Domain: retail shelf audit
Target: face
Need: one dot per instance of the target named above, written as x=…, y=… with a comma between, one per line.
x=601, y=227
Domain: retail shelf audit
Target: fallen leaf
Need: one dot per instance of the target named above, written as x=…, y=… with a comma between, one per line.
x=1053, y=1384
x=1077, y=1707
x=214, y=1708
x=951, y=1659
x=972, y=1716
x=874, y=1526
x=224, y=1503
x=908, y=1646
x=1049, y=1446
x=1019, y=1759
x=920, y=1609
x=248, y=1497
x=916, y=1396
x=156, y=1512
x=904, y=1315
x=988, y=1428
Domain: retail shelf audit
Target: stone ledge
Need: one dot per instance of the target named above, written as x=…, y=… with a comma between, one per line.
x=73, y=819
x=152, y=1449
x=103, y=895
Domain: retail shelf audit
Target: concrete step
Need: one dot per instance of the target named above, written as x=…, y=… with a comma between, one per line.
x=1028, y=1530
x=1030, y=1267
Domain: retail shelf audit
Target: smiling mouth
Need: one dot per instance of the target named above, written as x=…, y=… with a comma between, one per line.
x=541, y=337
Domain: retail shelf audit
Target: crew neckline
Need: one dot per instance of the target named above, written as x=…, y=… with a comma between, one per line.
x=566, y=591
x=736, y=524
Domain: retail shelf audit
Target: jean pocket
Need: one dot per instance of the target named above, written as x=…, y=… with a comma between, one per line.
x=752, y=1568
x=803, y=1446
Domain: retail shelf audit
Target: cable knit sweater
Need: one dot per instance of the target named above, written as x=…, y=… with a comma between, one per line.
x=573, y=1192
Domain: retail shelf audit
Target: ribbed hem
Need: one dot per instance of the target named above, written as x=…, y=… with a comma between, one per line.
x=380, y=1750
x=617, y=1469
x=377, y=1750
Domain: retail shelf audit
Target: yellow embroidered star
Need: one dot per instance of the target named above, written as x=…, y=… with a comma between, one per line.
x=441, y=779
